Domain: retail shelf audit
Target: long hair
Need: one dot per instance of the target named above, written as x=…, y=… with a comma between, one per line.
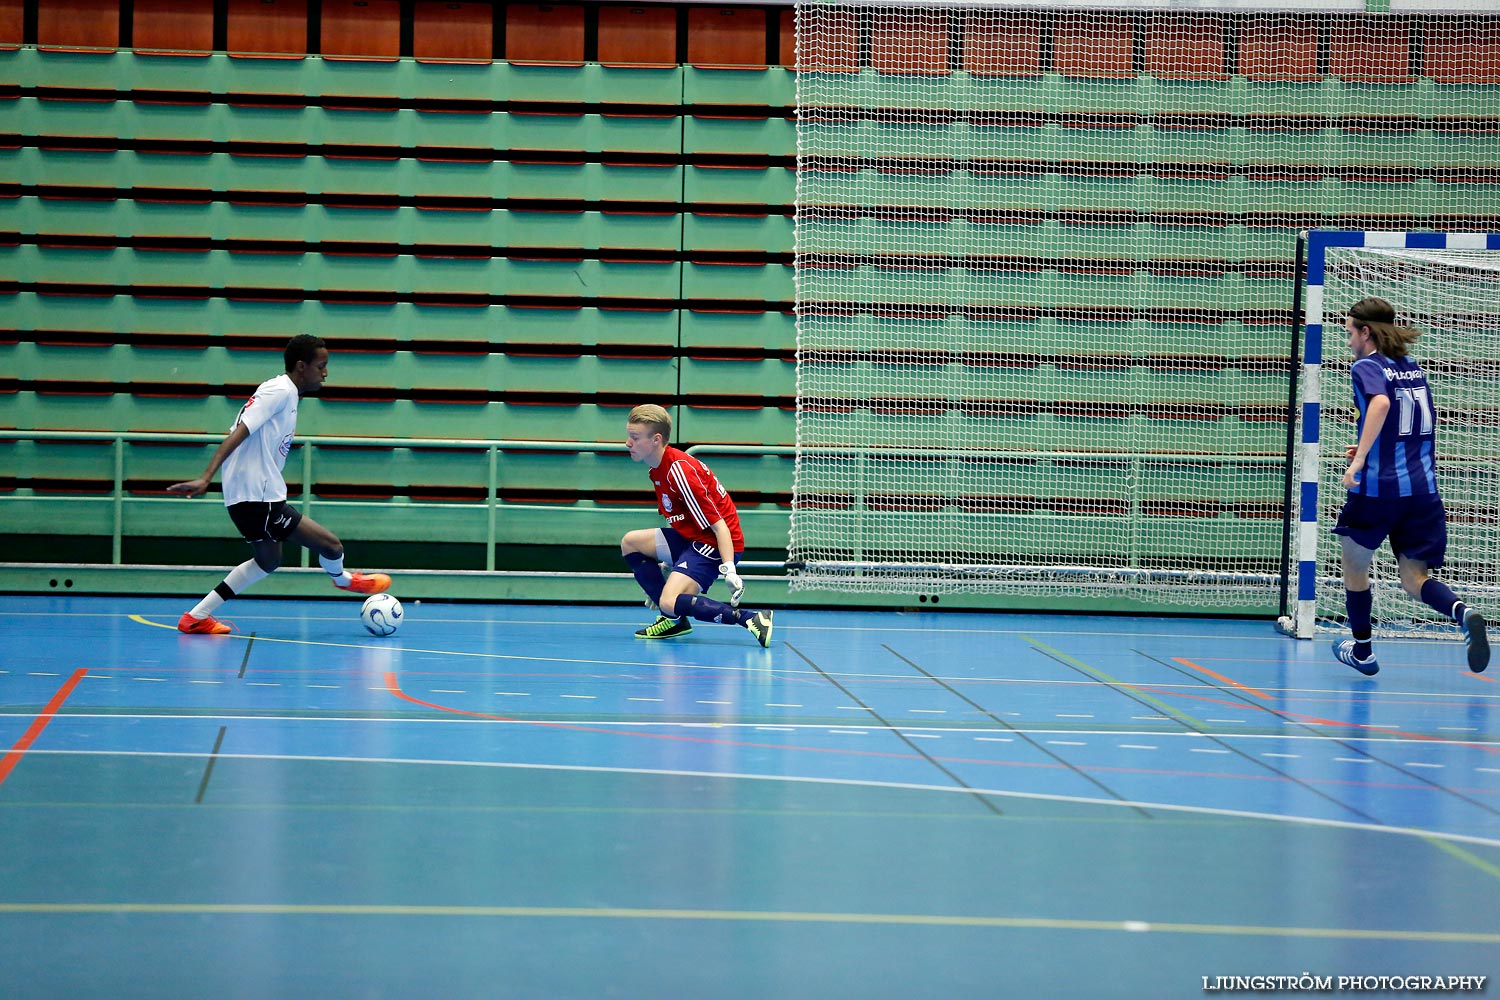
x=1379, y=317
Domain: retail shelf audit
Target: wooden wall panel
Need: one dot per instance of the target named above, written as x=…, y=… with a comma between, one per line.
x=544, y=33
x=638, y=36
x=1094, y=46
x=173, y=26
x=452, y=31
x=1187, y=47
x=1282, y=50
x=81, y=24
x=1006, y=46
x=361, y=29
x=1370, y=50
x=12, y=23
x=268, y=28
x=1466, y=51
x=726, y=36
x=909, y=42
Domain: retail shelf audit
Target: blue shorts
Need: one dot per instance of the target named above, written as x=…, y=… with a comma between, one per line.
x=1417, y=526
x=695, y=559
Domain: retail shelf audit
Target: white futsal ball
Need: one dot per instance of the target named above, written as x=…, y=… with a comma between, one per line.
x=381, y=614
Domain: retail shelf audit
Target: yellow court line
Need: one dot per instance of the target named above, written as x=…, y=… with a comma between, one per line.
x=625, y=913
x=1100, y=675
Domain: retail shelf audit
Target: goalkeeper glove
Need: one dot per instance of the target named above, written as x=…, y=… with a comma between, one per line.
x=736, y=585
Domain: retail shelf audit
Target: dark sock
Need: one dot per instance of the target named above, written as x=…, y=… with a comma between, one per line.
x=1437, y=596
x=706, y=609
x=647, y=574
x=1358, y=604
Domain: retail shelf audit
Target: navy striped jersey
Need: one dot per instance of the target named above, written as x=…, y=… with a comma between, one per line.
x=1401, y=463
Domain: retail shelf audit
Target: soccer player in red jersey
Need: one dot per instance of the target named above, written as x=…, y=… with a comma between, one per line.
x=702, y=540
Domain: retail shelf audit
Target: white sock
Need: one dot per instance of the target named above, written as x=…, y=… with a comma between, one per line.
x=335, y=569
x=242, y=576
x=207, y=606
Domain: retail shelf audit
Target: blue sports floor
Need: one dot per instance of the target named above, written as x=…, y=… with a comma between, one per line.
x=523, y=801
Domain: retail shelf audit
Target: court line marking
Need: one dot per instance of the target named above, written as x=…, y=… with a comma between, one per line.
x=486, y=719
x=792, y=613
x=1465, y=856
x=1461, y=838
x=760, y=670
x=1115, y=685
x=47, y=714
x=1227, y=680
x=745, y=916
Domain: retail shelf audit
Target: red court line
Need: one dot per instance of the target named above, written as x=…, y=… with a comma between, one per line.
x=1231, y=682
x=1315, y=720
x=10, y=760
x=393, y=686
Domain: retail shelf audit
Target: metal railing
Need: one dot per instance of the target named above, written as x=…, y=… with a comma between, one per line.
x=309, y=446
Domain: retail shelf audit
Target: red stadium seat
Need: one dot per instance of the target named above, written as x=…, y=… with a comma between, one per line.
x=77, y=24
x=452, y=31
x=1279, y=49
x=12, y=23
x=1094, y=46
x=544, y=33
x=1462, y=51
x=361, y=29
x=910, y=42
x=1008, y=46
x=727, y=36
x=268, y=28
x=637, y=36
x=1186, y=47
x=176, y=27
x=1370, y=50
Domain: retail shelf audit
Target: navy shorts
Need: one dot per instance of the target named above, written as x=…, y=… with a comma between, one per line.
x=265, y=522
x=1417, y=526
x=695, y=559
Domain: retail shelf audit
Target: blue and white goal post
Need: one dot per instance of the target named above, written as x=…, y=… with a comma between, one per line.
x=1446, y=285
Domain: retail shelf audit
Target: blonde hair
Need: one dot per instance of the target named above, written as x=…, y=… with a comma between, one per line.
x=1379, y=317
x=652, y=417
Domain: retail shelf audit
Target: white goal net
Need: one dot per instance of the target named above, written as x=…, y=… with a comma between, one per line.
x=1453, y=297
x=1045, y=268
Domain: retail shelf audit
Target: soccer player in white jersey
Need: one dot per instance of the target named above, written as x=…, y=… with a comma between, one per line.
x=1392, y=484
x=702, y=540
x=252, y=457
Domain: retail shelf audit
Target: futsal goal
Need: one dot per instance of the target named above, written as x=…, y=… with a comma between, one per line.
x=1446, y=285
x=1044, y=272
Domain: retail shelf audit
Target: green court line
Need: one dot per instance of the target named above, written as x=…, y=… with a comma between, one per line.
x=1465, y=856
x=760, y=916
x=1100, y=675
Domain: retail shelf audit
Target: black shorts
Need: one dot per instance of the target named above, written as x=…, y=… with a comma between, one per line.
x=265, y=522
x=1417, y=526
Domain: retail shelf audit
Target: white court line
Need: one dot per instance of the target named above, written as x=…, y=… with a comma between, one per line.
x=760, y=671
x=450, y=720
x=1404, y=831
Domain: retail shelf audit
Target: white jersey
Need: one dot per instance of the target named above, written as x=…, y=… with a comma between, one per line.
x=252, y=472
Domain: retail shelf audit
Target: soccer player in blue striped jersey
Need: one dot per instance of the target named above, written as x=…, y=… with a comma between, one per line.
x=1392, y=484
